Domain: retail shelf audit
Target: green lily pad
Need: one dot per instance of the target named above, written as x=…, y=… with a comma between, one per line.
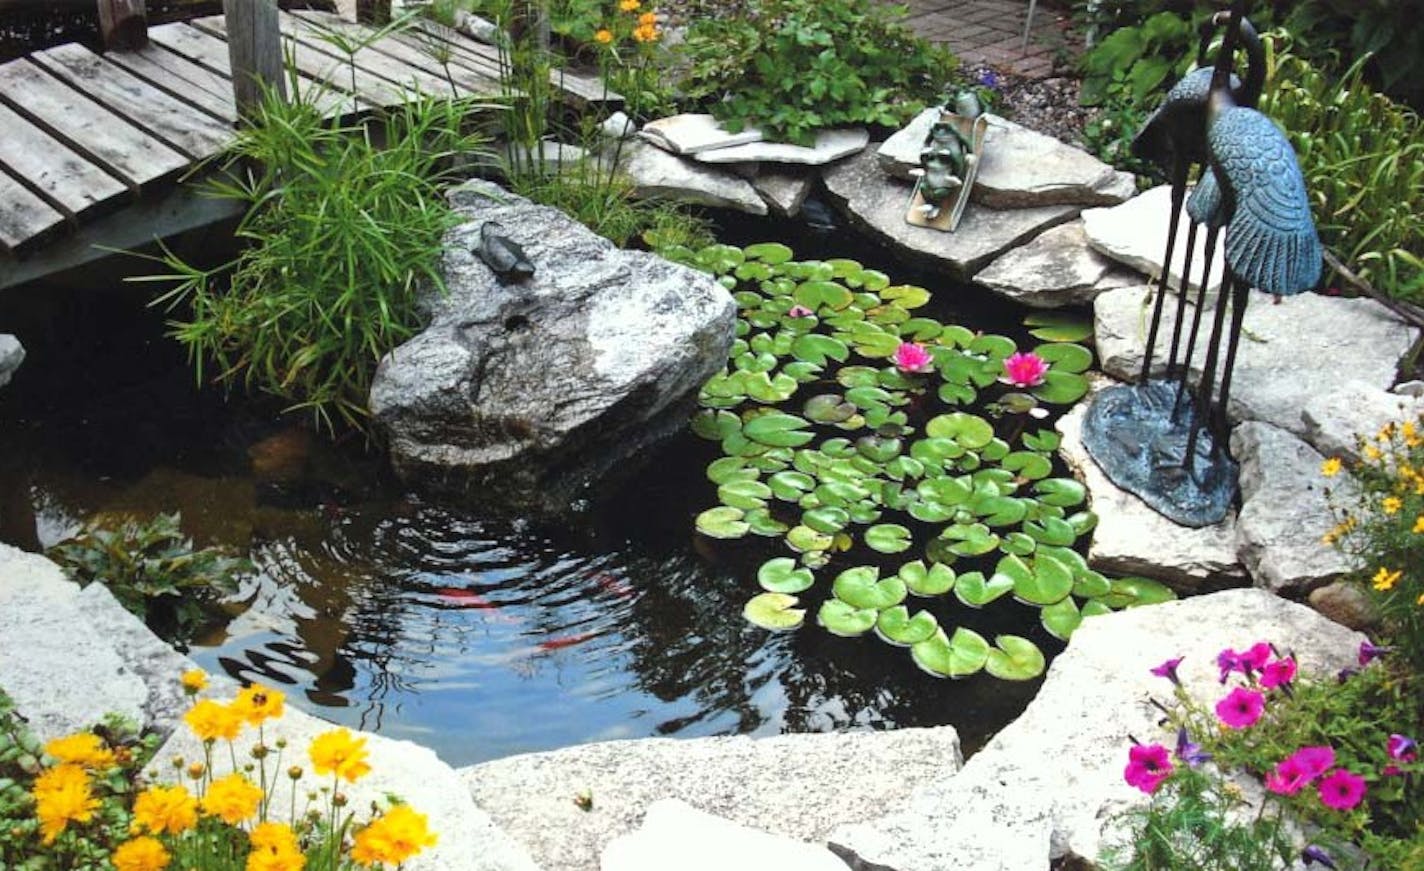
x=858, y=376
x=777, y=429
x=896, y=626
x=1082, y=522
x=745, y=495
x=970, y=539
x=992, y=346
x=828, y=408
x=802, y=372
x=828, y=519
x=961, y=655
x=1057, y=326
x=876, y=345
x=956, y=394
x=869, y=397
x=1014, y=658
x=1050, y=581
x=781, y=575
x=903, y=467
x=1091, y=585
x=1061, y=388
x=934, y=580
x=722, y=522
x=774, y=611
x=888, y=538
x=877, y=449
x=1133, y=592
x=976, y=591
x=864, y=513
x=1018, y=544
x=1063, y=492
x=752, y=271
x=1066, y=357
x=725, y=469
x=816, y=348
x=1050, y=530
x=920, y=329
x=768, y=252
x=715, y=425
x=998, y=511
x=760, y=522
x=905, y=295
x=1061, y=618
x=1044, y=441
x=814, y=294
x=720, y=258
x=804, y=539
x=840, y=618
x=968, y=430
x=874, y=279
x=789, y=486
x=765, y=388
x=862, y=587
x=934, y=452
x=1028, y=464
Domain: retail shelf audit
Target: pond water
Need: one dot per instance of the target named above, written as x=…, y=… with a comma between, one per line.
x=479, y=637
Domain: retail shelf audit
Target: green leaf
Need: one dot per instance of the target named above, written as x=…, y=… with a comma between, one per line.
x=1089, y=584
x=876, y=345
x=1063, y=492
x=789, y=486
x=861, y=587
x=778, y=429
x=906, y=296
x=828, y=519
x=814, y=294
x=936, y=580
x=974, y=590
x=878, y=449
x=1018, y=544
x=858, y=376
x=1061, y=388
x=1132, y=592
x=781, y=575
x=1057, y=326
x=815, y=348
x=1061, y=618
x=768, y=252
x=992, y=346
x=715, y=425
x=1044, y=441
x=774, y=611
x=804, y=539
x=888, y=538
x=760, y=522
x=1050, y=581
x=1028, y=464
x=745, y=495
x=844, y=620
x=959, y=656
x=828, y=408
x=1066, y=357
x=968, y=430
x=725, y=469
x=722, y=522
x=1014, y=658
x=1051, y=530
x=897, y=627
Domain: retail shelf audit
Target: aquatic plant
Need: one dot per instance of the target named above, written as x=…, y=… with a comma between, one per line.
x=847, y=426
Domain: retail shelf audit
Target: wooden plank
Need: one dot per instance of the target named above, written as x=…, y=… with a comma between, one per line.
x=374, y=62
x=181, y=78
x=102, y=137
x=68, y=181
x=180, y=125
x=24, y=217
x=255, y=48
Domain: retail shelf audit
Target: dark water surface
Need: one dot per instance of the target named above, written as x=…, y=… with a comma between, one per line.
x=480, y=637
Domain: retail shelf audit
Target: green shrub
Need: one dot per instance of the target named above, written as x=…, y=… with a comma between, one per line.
x=791, y=67
x=1387, y=31
x=153, y=570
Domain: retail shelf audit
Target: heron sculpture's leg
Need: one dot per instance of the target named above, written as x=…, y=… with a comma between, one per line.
x=1202, y=410
x=1182, y=299
x=1179, y=193
x=1211, y=235
x=1239, y=297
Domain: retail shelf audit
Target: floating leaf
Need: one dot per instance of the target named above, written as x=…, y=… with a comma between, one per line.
x=994, y=347
x=815, y=348
x=858, y=376
x=869, y=397
x=896, y=626
x=1091, y=585
x=760, y=522
x=814, y=294
x=1058, y=326
x=804, y=539
x=906, y=296
x=1095, y=608
x=968, y=430
x=1045, y=440
x=774, y=611
x=745, y=495
x=1018, y=544
x=999, y=510
x=956, y=394
x=1083, y=522
x=874, y=279
x=878, y=449
x=961, y=655
x=715, y=425
x=1061, y=618
x=828, y=408
x=1014, y=658
x=1028, y=464
x=1050, y=530
x=790, y=486
x=768, y=252
x=976, y=591
x=1050, y=581
x=720, y=258
x=1066, y=357
x=936, y=580
x=722, y=522
x=781, y=575
x=888, y=538
x=1064, y=492
x=767, y=389
x=750, y=271
x=1061, y=388
x=778, y=429
x=970, y=539
x=1132, y=592
x=845, y=620
x=725, y=469
x=802, y=371
x=861, y=587
x=876, y=345
x=920, y=329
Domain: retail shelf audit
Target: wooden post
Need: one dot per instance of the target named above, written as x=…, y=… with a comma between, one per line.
x=123, y=24
x=254, y=48
x=376, y=12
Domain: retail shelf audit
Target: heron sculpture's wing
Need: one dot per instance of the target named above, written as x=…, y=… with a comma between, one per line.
x=1205, y=206
x=1178, y=125
x=1271, y=241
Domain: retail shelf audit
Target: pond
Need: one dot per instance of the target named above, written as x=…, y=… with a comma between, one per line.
x=477, y=636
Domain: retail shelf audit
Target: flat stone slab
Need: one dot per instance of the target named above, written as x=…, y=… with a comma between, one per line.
x=1056, y=269
x=656, y=174
x=1133, y=539
x=675, y=834
x=1284, y=512
x=1135, y=233
x=870, y=199
x=1044, y=787
x=1306, y=346
x=784, y=192
x=1334, y=421
x=797, y=786
x=12, y=354
x=690, y=133
x=829, y=145
x=1021, y=167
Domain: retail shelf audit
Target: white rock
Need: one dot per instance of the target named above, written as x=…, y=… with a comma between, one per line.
x=1046, y=785
x=1056, y=269
x=1133, y=539
x=1334, y=421
x=1135, y=233
x=1284, y=512
x=797, y=786
x=829, y=145
x=657, y=174
x=677, y=835
x=690, y=133
x=618, y=126
x=12, y=354
x=547, y=157
x=478, y=28
x=784, y=192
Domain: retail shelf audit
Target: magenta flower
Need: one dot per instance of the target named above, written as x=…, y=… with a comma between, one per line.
x=799, y=311
x=1370, y=652
x=1342, y=790
x=1241, y=708
x=1299, y=769
x=1315, y=760
x=1188, y=752
x=1024, y=370
x=1168, y=670
x=1254, y=658
x=1147, y=766
x=1401, y=748
x=1313, y=855
x=1278, y=673
x=1228, y=661
x=912, y=357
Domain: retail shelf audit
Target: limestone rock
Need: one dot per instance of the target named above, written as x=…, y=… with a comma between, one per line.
x=1021, y=167
x=525, y=394
x=1056, y=269
x=468, y=839
x=547, y=157
x=1284, y=512
x=618, y=126
x=690, y=133
x=656, y=174
x=676, y=835
x=828, y=145
x=1346, y=604
x=1290, y=353
x=1135, y=233
x=798, y=786
x=784, y=192
x=1333, y=421
x=1133, y=539
x=12, y=354
x=1045, y=786
x=869, y=199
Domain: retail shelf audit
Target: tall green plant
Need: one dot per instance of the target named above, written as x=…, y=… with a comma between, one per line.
x=343, y=222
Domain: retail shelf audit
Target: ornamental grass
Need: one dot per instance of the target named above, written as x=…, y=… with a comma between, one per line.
x=88, y=806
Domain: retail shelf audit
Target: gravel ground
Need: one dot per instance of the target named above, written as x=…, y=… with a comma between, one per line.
x=1049, y=106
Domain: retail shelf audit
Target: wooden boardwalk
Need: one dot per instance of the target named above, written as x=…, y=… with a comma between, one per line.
x=84, y=135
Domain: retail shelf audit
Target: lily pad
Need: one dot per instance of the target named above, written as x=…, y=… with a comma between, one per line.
x=888, y=538
x=961, y=655
x=1066, y=357
x=768, y=389
x=804, y=539
x=858, y=376
x=970, y=539
x=1056, y=326
x=969, y=430
x=992, y=346
x=760, y=522
x=1028, y=464
x=815, y=348
x=777, y=429
x=745, y=495
x=934, y=580
x=905, y=295
x=768, y=252
x=789, y=486
x=976, y=591
x=774, y=611
x=781, y=575
x=897, y=627
x=1018, y=544
x=1050, y=530
x=722, y=522
x=1014, y=658
x=828, y=408
x=1050, y=581
x=1091, y=585
x=878, y=449
x=1061, y=388
x=1045, y=441
x=828, y=519
x=1061, y=618
x=1063, y=492
x=862, y=587
x=840, y=618
x=715, y=425
x=724, y=469
x=876, y=345
x=1133, y=592
x=814, y=294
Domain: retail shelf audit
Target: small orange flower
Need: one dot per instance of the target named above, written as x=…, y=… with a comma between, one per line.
x=159, y=809
x=1418, y=525
x=648, y=19
x=340, y=753
x=1391, y=504
x=84, y=748
x=645, y=33
x=1384, y=579
x=232, y=799
x=194, y=681
x=141, y=854
x=212, y=720
x=629, y=5
x=604, y=36
x=1331, y=467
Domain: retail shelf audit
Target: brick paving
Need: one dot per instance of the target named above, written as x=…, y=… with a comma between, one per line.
x=990, y=33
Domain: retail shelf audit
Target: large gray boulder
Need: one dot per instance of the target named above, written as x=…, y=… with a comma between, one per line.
x=1056, y=269
x=1135, y=234
x=796, y=786
x=1047, y=785
x=877, y=202
x=12, y=354
x=656, y=174
x=523, y=395
x=1334, y=422
x=675, y=834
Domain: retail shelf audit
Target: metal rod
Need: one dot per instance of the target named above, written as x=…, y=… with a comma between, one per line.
x=1211, y=235
x=1179, y=193
x=1182, y=298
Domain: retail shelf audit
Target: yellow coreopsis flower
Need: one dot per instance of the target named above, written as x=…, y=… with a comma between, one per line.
x=604, y=36
x=648, y=19
x=1331, y=467
x=645, y=33
x=274, y=848
x=211, y=720
x=160, y=809
x=140, y=854
x=340, y=753
x=257, y=704
x=1391, y=505
x=1411, y=436
x=1371, y=452
x=1384, y=579
x=84, y=748
x=629, y=5
x=1418, y=525
x=194, y=681
x=62, y=797
x=393, y=838
x=232, y=799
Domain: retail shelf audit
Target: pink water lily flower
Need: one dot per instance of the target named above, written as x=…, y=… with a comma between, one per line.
x=1147, y=766
x=1241, y=708
x=799, y=311
x=913, y=357
x=1024, y=369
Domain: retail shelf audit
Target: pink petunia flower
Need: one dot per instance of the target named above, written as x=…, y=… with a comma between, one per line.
x=1401, y=748
x=1299, y=769
x=1342, y=790
x=1254, y=658
x=1228, y=661
x=1278, y=673
x=1168, y=670
x=1024, y=370
x=1241, y=708
x=1316, y=760
x=1147, y=766
x=912, y=357
x=1370, y=652
x=799, y=311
